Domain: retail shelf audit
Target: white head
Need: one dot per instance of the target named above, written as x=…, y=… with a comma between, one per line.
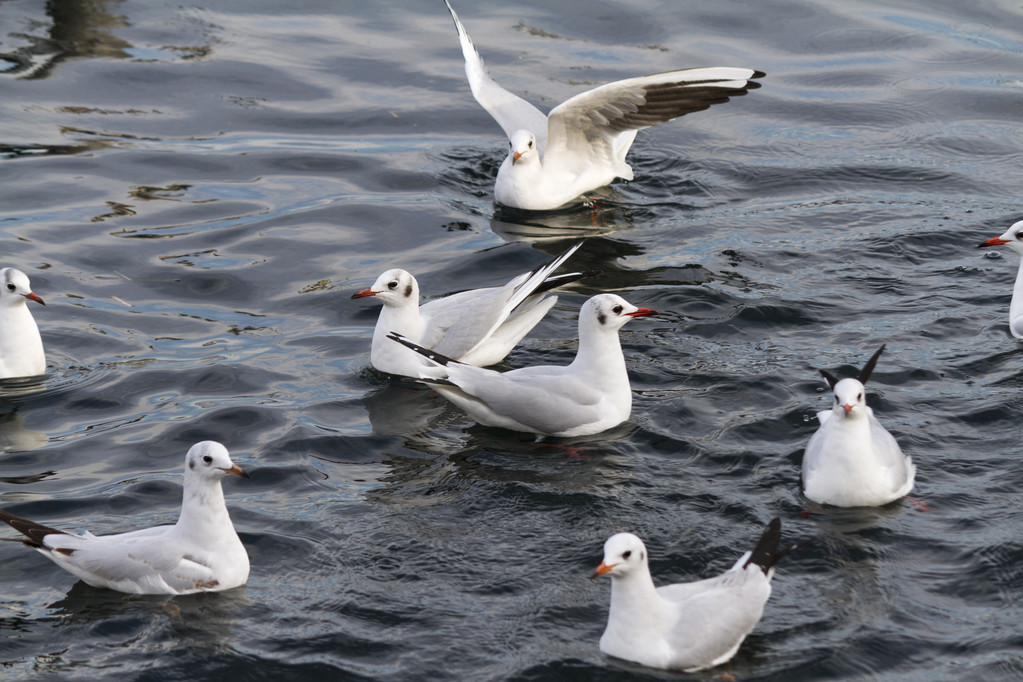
x=1013, y=238
x=15, y=289
x=850, y=398
x=850, y=394
x=608, y=312
x=210, y=461
x=624, y=554
x=393, y=288
x=523, y=148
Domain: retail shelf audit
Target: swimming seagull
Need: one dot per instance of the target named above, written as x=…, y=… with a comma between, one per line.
x=590, y=395
x=1013, y=238
x=852, y=461
x=685, y=626
x=200, y=553
x=581, y=145
x=476, y=327
x=21, y=348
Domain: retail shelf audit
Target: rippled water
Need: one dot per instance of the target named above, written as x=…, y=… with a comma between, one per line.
x=197, y=191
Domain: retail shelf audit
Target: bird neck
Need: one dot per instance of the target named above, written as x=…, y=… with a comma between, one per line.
x=403, y=319
x=203, y=510
x=634, y=599
x=1016, y=306
x=600, y=356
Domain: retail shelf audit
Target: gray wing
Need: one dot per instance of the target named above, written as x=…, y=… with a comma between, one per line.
x=716, y=615
x=147, y=559
x=456, y=324
x=900, y=468
x=541, y=398
x=510, y=111
x=581, y=130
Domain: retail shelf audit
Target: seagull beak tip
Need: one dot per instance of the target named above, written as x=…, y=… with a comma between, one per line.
x=33, y=297
x=364, y=293
x=237, y=471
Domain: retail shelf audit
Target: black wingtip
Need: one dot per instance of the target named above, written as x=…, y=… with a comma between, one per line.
x=33, y=532
x=555, y=281
x=869, y=367
x=764, y=554
x=425, y=352
x=829, y=377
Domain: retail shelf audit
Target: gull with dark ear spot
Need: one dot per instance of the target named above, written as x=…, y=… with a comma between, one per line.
x=477, y=327
x=199, y=553
x=852, y=461
x=590, y=395
x=1013, y=238
x=685, y=626
x=581, y=145
x=21, y=348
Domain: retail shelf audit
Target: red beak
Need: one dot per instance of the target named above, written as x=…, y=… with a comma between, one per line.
x=642, y=312
x=994, y=241
x=516, y=156
x=847, y=408
x=364, y=293
x=33, y=297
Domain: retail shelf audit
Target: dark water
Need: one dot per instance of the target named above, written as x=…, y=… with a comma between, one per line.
x=197, y=190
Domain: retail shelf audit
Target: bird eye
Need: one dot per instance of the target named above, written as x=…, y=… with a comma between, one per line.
x=530, y=144
x=1019, y=235
x=207, y=459
x=392, y=285
x=11, y=287
x=859, y=397
x=626, y=554
x=617, y=310
x=836, y=399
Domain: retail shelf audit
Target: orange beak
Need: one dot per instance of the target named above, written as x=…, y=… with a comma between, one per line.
x=642, y=312
x=847, y=408
x=994, y=241
x=364, y=293
x=602, y=570
x=236, y=471
x=33, y=297
x=516, y=156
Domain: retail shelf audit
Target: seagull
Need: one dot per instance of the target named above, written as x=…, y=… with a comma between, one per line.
x=685, y=626
x=21, y=348
x=589, y=396
x=476, y=327
x=200, y=553
x=581, y=145
x=852, y=461
x=1013, y=238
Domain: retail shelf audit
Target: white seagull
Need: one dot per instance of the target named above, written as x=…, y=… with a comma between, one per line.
x=200, y=553
x=685, y=626
x=590, y=395
x=1013, y=238
x=581, y=145
x=852, y=461
x=476, y=327
x=21, y=348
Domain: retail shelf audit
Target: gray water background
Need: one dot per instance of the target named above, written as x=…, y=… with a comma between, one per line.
x=197, y=190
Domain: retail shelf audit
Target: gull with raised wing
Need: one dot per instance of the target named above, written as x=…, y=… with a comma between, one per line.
x=852, y=461
x=1013, y=238
x=581, y=145
x=476, y=327
x=21, y=348
x=200, y=553
x=588, y=396
x=685, y=626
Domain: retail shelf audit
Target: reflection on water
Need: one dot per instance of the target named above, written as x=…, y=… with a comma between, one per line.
x=78, y=29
